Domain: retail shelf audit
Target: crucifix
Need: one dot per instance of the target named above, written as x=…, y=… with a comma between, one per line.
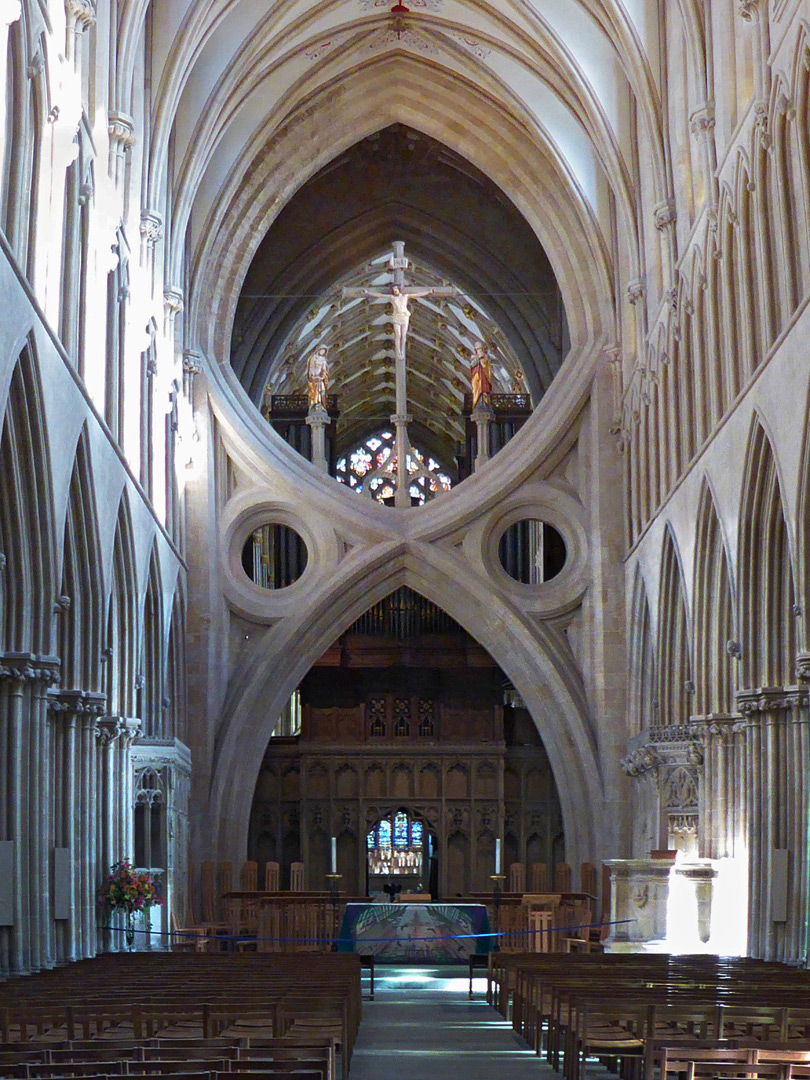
x=399, y=295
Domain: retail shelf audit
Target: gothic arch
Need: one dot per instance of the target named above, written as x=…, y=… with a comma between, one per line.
x=82, y=589
x=674, y=659
x=642, y=665
x=26, y=514
x=767, y=592
x=715, y=621
x=151, y=669
x=426, y=101
x=551, y=690
x=122, y=622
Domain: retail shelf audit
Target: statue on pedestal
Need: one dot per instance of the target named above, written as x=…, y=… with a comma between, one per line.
x=481, y=375
x=317, y=378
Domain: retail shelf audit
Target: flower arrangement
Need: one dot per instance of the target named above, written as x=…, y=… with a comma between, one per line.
x=127, y=890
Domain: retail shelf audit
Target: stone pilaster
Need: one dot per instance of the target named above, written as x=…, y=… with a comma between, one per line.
x=26, y=808
x=775, y=762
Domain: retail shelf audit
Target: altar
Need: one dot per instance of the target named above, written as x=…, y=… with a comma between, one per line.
x=427, y=933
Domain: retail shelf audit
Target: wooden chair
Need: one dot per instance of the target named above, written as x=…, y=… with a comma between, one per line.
x=249, y=878
x=272, y=877
x=517, y=878
x=297, y=877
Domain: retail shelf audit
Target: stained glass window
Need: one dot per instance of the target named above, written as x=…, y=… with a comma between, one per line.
x=401, y=831
x=374, y=462
x=395, y=846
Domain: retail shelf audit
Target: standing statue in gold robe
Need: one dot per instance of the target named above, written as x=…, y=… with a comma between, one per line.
x=481, y=375
x=318, y=378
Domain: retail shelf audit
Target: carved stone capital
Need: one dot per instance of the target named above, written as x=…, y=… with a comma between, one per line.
x=756, y=702
x=636, y=291
x=26, y=668
x=701, y=122
x=121, y=129
x=151, y=226
x=664, y=214
x=748, y=10
x=81, y=13
x=173, y=301
x=803, y=667
x=86, y=704
x=108, y=729
x=192, y=362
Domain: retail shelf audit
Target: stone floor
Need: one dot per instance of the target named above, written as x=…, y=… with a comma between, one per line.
x=422, y=1025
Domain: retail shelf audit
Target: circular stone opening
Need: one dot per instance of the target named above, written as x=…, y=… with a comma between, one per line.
x=274, y=556
x=532, y=551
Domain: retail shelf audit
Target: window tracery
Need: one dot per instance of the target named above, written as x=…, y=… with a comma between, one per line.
x=374, y=463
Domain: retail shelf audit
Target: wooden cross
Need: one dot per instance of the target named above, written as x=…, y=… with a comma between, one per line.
x=399, y=295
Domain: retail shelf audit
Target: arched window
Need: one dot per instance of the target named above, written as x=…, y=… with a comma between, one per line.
x=374, y=462
x=395, y=845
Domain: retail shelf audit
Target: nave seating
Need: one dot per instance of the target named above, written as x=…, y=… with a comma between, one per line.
x=657, y=1015
x=185, y=1007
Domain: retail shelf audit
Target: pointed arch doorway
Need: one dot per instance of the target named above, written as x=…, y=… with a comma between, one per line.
x=407, y=712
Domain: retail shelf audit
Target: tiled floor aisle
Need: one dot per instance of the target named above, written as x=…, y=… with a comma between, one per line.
x=423, y=1026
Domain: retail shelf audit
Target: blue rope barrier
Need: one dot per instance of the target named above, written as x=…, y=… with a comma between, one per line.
x=240, y=938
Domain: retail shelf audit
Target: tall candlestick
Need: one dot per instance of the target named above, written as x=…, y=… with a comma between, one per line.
x=498, y=856
x=334, y=854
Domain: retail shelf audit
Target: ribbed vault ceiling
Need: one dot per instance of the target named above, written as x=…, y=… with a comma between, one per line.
x=459, y=230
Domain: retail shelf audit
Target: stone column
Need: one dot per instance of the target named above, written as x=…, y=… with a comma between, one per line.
x=27, y=808
x=317, y=419
x=483, y=415
x=721, y=829
x=121, y=131
x=776, y=759
x=639, y=890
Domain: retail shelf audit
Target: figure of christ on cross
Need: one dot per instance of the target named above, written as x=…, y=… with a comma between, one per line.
x=402, y=316
x=399, y=295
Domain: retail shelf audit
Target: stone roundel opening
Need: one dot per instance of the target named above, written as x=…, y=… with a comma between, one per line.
x=531, y=551
x=274, y=556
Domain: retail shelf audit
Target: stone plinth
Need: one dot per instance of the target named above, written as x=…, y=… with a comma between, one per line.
x=639, y=890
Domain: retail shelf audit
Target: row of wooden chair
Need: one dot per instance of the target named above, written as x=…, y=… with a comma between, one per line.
x=272, y=1057
x=142, y=996
x=638, y=1009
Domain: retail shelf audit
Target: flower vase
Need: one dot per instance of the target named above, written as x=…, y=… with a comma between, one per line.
x=129, y=932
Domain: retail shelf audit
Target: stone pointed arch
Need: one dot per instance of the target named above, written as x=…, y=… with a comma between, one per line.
x=549, y=684
x=150, y=678
x=81, y=619
x=715, y=614
x=175, y=684
x=767, y=589
x=26, y=515
x=427, y=100
x=642, y=660
x=121, y=635
x=674, y=651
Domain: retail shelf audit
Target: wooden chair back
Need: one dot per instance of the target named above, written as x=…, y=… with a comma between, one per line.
x=249, y=878
x=517, y=878
x=297, y=877
x=272, y=876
